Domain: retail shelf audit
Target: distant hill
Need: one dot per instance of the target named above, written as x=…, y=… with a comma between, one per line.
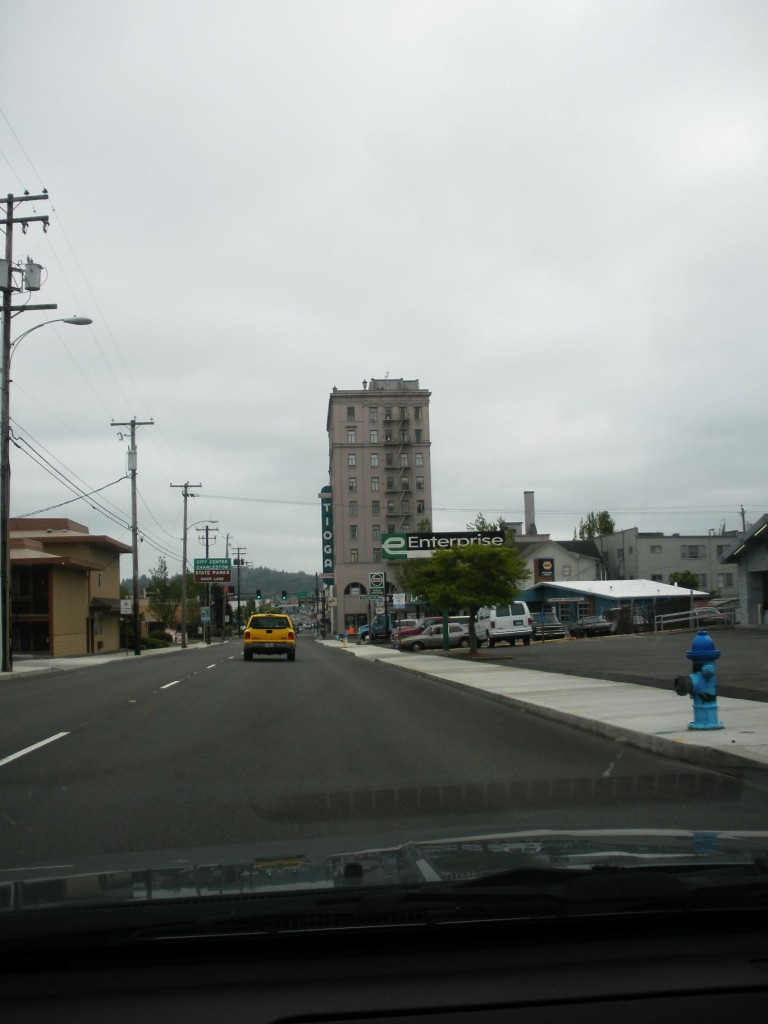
x=271, y=582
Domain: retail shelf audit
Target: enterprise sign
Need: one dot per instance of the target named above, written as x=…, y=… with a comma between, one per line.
x=422, y=545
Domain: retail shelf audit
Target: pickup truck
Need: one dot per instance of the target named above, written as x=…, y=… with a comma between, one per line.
x=379, y=629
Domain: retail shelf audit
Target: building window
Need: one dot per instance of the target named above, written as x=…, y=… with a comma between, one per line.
x=405, y=506
x=419, y=483
x=376, y=531
x=403, y=435
x=405, y=483
x=351, y=437
x=724, y=579
x=354, y=555
x=351, y=459
x=375, y=508
x=373, y=436
x=353, y=483
x=100, y=580
x=406, y=527
x=374, y=483
x=373, y=413
x=389, y=458
x=350, y=412
x=418, y=458
x=391, y=508
x=655, y=549
x=418, y=435
x=387, y=437
x=693, y=551
x=377, y=554
x=702, y=580
x=353, y=508
x=403, y=458
x=353, y=531
x=387, y=412
x=656, y=577
x=417, y=412
x=420, y=507
x=374, y=459
x=390, y=483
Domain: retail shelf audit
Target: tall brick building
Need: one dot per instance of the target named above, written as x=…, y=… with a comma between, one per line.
x=380, y=482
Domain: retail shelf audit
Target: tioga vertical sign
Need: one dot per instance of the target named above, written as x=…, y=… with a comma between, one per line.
x=326, y=515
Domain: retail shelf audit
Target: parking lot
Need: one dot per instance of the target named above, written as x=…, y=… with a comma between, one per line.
x=647, y=659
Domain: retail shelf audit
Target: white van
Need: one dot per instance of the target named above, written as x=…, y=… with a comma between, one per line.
x=510, y=622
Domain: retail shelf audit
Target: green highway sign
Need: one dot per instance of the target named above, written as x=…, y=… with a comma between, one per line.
x=213, y=570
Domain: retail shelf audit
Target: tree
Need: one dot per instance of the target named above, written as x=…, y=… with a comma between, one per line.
x=596, y=524
x=685, y=578
x=483, y=525
x=471, y=577
x=163, y=594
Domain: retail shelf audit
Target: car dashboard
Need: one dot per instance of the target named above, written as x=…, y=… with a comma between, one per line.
x=667, y=967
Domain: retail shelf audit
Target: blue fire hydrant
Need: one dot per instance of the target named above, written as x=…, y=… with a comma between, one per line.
x=701, y=684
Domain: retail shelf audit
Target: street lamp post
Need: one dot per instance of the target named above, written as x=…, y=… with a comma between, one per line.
x=8, y=349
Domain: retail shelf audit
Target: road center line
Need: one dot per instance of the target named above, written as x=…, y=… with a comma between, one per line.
x=166, y=685
x=28, y=750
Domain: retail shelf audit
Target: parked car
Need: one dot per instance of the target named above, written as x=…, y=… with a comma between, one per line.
x=510, y=622
x=421, y=624
x=432, y=637
x=592, y=625
x=709, y=615
x=547, y=626
x=402, y=624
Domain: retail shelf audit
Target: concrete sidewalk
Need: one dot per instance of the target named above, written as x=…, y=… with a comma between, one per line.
x=642, y=716
x=24, y=665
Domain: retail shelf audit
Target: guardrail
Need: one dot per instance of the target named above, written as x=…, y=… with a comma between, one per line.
x=696, y=618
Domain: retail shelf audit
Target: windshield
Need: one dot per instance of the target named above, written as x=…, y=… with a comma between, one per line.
x=350, y=530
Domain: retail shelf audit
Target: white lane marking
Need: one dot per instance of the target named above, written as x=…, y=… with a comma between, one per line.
x=166, y=685
x=211, y=666
x=28, y=750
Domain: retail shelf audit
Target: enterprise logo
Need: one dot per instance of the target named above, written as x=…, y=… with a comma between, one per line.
x=421, y=545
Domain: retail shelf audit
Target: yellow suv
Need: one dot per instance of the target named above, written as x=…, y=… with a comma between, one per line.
x=270, y=633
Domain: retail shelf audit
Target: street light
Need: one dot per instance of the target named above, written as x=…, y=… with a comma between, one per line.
x=9, y=347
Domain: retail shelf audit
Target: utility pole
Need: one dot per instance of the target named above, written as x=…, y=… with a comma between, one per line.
x=207, y=531
x=32, y=282
x=239, y=560
x=185, y=494
x=133, y=469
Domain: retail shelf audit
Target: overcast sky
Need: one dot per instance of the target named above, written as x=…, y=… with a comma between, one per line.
x=553, y=214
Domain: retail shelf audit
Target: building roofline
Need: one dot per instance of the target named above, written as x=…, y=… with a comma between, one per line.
x=732, y=553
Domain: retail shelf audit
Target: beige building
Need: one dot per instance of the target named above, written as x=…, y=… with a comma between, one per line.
x=380, y=482
x=65, y=588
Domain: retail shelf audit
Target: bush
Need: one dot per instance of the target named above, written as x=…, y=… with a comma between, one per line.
x=153, y=641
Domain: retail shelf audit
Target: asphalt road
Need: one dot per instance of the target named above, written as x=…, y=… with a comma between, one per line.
x=200, y=750
x=647, y=659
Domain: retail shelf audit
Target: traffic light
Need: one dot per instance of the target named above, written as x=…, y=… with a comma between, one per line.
x=258, y=595
x=283, y=596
